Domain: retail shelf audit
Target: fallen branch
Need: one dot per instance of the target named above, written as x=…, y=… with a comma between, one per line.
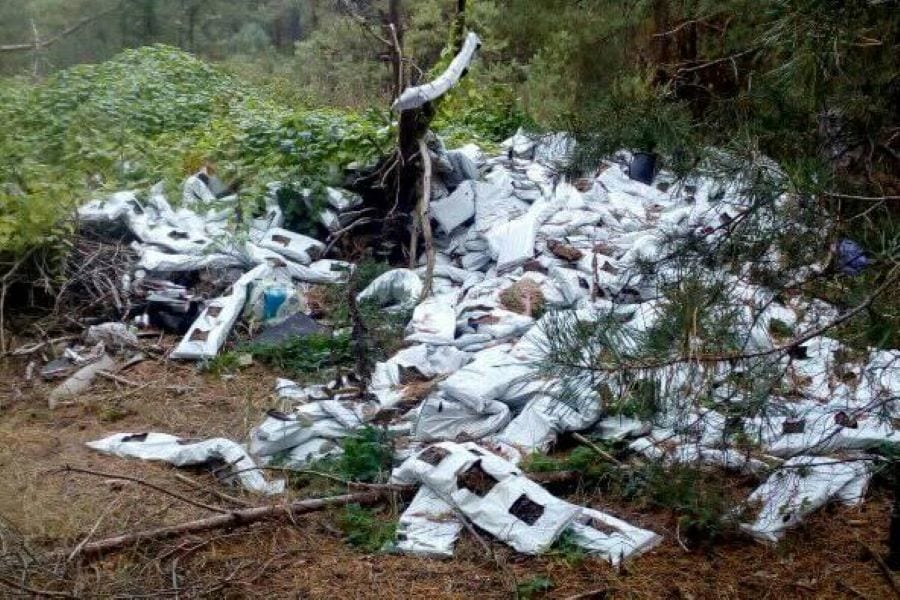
x=597, y=449
x=152, y=486
x=34, y=591
x=222, y=495
x=118, y=378
x=238, y=518
x=598, y=593
x=40, y=44
x=888, y=574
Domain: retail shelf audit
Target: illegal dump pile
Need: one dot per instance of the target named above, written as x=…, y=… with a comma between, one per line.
x=544, y=293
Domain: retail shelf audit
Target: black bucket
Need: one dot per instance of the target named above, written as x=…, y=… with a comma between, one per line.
x=643, y=167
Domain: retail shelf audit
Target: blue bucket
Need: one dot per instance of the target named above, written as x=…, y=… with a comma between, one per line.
x=273, y=299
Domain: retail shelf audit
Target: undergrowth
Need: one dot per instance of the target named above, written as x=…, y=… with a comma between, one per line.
x=364, y=529
x=305, y=355
x=696, y=497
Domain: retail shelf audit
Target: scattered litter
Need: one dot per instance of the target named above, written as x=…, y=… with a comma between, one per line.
x=852, y=258
x=114, y=336
x=801, y=486
x=520, y=255
x=207, y=334
x=80, y=381
x=228, y=457
x=401, y=288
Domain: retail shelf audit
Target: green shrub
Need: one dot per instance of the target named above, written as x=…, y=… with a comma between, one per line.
x=305, y=355
x=367, y=455
x=154, y=114
x=364, y=530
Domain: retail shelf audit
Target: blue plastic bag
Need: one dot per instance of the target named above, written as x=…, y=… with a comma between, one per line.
x=852, y=258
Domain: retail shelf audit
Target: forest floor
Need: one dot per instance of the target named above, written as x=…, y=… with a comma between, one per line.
x=44, y=510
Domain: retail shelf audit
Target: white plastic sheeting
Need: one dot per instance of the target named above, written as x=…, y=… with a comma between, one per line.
x=428, y=526
x=456, y=209
x=295, y=246
x=610, y=538
x=209, y=331
x=485, y=488
x=415, y=97
x=401, y=288
x=442, y=418
x=183, y=453
x=470, y=481
x=433, y=322
x=801, y=486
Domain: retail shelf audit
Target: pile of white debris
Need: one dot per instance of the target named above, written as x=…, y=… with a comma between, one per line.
x=511, y=227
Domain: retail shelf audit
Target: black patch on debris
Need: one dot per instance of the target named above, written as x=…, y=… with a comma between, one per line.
x=793, y=426
x=277, y=414
x=137, y=437
x=845, y=420
x=527, y=510
x=798, y=352
x=476, y=480
x=433, y=455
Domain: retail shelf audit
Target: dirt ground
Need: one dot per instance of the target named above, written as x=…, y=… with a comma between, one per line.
x=45, y=512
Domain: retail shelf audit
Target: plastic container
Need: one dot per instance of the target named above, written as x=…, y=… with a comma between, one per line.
x=273, y=299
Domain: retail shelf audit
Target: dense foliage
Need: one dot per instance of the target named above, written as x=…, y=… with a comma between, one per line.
x=154, y=114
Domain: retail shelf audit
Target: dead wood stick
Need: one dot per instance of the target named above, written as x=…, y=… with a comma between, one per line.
x=598, y=593
x=235, y=518
x=118, y=378
x=199, y=486
x=34, y=591
x=888, y=574
x=70, y=469
x=93, y=530
x=597, y=449
x=424, y=220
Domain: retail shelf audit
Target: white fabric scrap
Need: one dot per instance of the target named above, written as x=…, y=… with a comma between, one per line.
x=183, y=453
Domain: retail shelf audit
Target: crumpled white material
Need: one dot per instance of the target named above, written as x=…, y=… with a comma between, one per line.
x=209, y=331
x=399, y=287
x=503, y=502
x=442, y=418
x=801, y=486
x=184, y=453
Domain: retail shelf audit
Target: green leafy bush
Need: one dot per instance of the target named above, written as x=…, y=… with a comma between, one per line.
x=307, y=354
x=364, y=530
x=154, y=114
x=367, y=455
